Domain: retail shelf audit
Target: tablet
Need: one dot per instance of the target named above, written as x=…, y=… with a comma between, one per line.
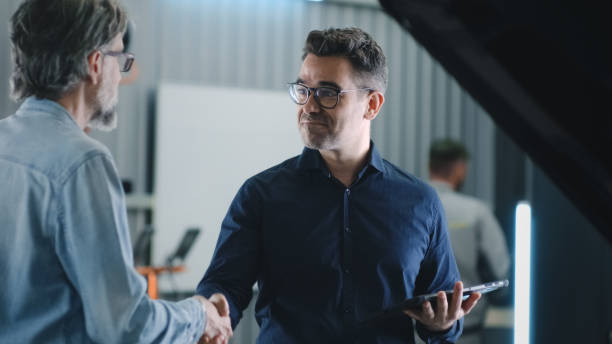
x=417, y=301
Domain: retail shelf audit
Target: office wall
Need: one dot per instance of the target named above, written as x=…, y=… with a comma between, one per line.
x=230, y=142
x=257, y=44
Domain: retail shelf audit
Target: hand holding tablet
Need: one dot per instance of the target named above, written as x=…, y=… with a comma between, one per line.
x=446, y=312
x=417, y=301
x=439, y=317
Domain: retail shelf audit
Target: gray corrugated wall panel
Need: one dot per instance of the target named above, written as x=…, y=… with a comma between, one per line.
x=439, y=111
x=486, y=155
x=468, y=137
x=245, y=46
x=258, y=44
x=379, y=134
x=7, y=106
x=393, y=111
x=454, y=109
x=410, y=105
x=5, y=58
x=425, y=116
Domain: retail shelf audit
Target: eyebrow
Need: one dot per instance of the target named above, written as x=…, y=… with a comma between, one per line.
x=321, y=83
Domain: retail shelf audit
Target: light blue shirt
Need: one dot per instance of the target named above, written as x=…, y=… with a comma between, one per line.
x=66, y=267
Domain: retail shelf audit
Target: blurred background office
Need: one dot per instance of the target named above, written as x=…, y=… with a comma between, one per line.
x=231, y=50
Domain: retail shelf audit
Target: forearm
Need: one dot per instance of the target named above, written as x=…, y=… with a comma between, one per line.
x=158, y=321
x=92, y=243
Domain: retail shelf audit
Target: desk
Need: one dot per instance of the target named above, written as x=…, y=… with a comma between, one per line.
x=151, y=273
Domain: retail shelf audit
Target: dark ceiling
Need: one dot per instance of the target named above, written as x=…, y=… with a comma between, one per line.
x=543, y=71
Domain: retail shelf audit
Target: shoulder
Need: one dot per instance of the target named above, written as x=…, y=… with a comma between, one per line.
x=466, y=201
x=48, y=144
x=78, y=151
x=465, y=207
x=474, y=203
x=284, y=170
x=407, y=182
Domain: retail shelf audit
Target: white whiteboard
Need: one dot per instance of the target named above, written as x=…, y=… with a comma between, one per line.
x=209, y=140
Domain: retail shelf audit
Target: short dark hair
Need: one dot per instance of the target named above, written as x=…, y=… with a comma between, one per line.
x=51, y=39
x=362, y=51
x=443, y=154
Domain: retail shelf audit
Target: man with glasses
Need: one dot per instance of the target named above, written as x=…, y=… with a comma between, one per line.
x=65, y=252
x=336, y=235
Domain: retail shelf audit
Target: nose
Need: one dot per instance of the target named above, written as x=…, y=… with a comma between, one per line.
x=311, y=105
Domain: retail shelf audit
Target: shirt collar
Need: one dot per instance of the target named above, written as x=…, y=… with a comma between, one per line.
x=376, y=160
x=312, y=159
x=440, y=186
x=42, y=105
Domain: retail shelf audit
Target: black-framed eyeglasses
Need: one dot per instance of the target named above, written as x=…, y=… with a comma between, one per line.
x=125, y=59
x=326, y=96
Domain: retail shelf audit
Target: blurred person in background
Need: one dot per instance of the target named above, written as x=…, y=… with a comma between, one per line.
x=477, y=239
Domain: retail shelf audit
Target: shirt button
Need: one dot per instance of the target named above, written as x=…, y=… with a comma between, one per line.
x=348, y=192
x=348, y=230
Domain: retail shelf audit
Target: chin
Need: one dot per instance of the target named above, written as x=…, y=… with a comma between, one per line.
x=317, y=140
x=104, y=121
x=311, y=141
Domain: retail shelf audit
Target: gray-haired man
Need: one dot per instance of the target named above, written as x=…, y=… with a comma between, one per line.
x=65, y=253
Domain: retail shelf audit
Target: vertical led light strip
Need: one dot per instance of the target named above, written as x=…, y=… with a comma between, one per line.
x=522, y=273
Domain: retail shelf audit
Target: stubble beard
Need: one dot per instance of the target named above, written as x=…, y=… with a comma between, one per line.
x=317, y=137
x=104, y=117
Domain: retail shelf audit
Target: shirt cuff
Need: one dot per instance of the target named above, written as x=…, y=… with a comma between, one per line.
x=196, y=312
x=449, y=336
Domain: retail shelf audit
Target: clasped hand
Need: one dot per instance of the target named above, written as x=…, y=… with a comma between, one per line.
x=218, y=324
x=446, y=314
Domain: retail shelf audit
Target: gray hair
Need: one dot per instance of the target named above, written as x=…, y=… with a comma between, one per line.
x=362, y=51
x=51, y=40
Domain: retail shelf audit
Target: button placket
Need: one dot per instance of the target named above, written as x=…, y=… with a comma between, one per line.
x=348, y=288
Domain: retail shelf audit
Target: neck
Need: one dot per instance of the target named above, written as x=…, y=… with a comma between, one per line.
x=75, y=102
x=440, y=179
x=345, y=163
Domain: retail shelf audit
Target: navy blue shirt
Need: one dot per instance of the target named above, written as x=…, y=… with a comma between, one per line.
x=327, y=258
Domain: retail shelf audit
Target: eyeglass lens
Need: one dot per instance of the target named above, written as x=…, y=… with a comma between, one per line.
x=125, y=62
x=325, y=96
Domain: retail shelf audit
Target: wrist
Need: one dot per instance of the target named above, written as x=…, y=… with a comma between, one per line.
x=439, y=330
x=202, y=301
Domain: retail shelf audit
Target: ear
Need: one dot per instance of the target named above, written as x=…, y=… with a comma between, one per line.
x=94, y=62
x=459, y=171
x=375, y=102
x=463, y=168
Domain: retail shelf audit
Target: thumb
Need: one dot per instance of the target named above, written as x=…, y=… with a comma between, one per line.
x=221, y=304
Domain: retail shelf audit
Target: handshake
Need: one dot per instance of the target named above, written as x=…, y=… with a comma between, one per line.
x=218, y=325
